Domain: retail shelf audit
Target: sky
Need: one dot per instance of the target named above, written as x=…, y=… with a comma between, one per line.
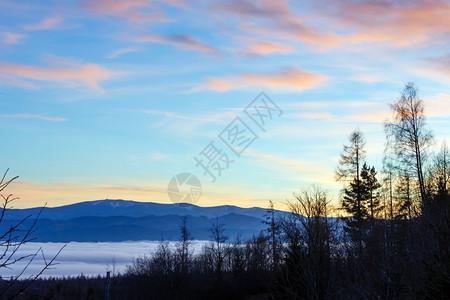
x=112, y=99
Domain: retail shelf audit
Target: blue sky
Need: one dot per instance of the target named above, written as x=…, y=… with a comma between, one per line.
x=111, y=99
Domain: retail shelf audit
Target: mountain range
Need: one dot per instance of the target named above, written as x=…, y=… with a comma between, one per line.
x=124, y=220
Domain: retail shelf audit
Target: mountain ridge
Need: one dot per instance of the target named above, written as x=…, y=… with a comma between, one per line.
x=126, y=220
x=119, y=207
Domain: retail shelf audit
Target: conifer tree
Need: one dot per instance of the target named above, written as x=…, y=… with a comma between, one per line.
x=370, y=190
x=348, y=172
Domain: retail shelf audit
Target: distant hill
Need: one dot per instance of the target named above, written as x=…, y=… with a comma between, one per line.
x=124, y=220
x=134, y=209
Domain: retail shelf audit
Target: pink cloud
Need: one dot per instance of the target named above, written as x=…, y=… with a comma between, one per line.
x=135, y=11
x=265, y=48
x=10, y=38
x=275, y=18
x=289, y=79
x=180, y=40
x=399, y=24
x=48, y=23
x=31, y=116
x=74, y=75
x=324, y=25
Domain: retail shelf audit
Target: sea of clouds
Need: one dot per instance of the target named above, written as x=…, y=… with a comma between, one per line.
x=88, y=259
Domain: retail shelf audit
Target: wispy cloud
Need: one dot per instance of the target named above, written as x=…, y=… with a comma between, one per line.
x=10, y=38
x=437, y=68
x=288, y=79
x=316, y=115
x=72, y=75
x=276, y=18
x=31, y=116
x=324, y=25
x=14, y=81
x=184, y=41
x=301, y=169
x=379, y=116
x=293, y=165
x=438, y=106
x=45, y=24
x=121, y=51
x=156, y=155
x=393, y=23
x=367, y=78
x=135, y=11
x=186, y=125
x=193, y=120
x=259, y=9
x=266, y=48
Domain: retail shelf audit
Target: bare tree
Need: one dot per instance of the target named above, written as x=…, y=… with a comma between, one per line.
x=408, y=139
x=218, y=248
x=440, y=173
x=12, y=238
x=308, y=235
x=183, y=254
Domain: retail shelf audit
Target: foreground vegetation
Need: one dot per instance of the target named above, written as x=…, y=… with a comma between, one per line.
x=391, y=241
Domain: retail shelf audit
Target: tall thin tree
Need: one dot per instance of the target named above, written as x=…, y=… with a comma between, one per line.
x=348, y=172
x=408, y=138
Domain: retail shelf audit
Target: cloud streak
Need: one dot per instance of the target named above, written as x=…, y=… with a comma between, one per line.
x=134, y=11
x=325, y=25
x=276, y=18
x=121, y=51
x=437, y=68
x=31, y=116
x=293, y=165
x=10, y=38
x=45, y=24
x=438, y=106
x=288, y=79
x=266, y=48
x=183, y=41
x=73, y=75
x=393, y=23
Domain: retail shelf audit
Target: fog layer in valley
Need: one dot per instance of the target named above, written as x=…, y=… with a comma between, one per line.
x=89, y=259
